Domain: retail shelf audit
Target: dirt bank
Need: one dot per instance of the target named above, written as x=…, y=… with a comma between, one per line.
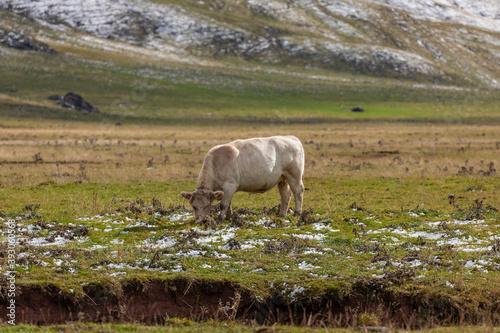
x=153, y=302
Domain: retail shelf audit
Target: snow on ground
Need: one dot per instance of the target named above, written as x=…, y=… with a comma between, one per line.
x=484, y=14
x=176, y=237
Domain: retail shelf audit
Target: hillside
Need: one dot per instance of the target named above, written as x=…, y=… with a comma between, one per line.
x=436, y=41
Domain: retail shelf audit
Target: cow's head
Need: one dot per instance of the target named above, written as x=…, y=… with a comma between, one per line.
x=201, y=201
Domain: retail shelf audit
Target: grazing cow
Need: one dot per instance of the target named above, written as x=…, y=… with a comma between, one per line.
x=253, y=165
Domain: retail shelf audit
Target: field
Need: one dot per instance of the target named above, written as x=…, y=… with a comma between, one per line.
x=402, y=201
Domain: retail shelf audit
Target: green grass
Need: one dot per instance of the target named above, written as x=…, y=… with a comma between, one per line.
x=153, y=93
x=188, y=326
x=384, y=194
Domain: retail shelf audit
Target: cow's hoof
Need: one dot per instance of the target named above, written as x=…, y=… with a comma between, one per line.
x=297, y=214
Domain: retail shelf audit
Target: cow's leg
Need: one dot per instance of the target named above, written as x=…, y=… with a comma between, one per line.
x=225, y=202
x=229, y=212
x=295, y=181
x=285, y=194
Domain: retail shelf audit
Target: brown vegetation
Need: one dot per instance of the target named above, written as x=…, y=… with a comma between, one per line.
x=103, y=153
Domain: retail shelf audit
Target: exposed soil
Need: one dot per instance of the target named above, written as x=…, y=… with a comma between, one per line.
x=150, y=303
x=155, y=301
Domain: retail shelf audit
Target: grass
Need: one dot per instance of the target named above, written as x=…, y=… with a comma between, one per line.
x=189, y=326
x=157, y=93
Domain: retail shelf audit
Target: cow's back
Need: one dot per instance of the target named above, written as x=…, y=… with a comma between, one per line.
x=261, y=162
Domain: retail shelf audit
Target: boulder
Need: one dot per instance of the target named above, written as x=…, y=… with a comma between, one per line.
x=74, y=101
x=18, y=41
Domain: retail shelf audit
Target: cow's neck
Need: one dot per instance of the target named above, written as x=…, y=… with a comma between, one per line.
x=206, y=178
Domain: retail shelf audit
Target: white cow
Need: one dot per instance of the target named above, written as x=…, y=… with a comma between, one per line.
x=252, y=165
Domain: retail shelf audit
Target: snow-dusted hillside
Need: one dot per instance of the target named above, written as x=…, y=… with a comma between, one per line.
x=484, y=14
x=434, y=40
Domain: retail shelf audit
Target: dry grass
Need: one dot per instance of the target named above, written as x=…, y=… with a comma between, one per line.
x=67, y=153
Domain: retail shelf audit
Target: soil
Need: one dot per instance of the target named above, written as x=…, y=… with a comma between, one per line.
x=149, y=303
x=153, y=302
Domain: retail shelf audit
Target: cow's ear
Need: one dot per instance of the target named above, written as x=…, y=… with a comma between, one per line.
x=187, y=195
x=216, y=195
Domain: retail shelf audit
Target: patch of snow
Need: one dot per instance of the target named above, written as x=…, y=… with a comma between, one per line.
x=42, y=241
x=30, y=228
x=117, y=241
x=162, y=243
x=191, y=253
x=381, y=276
x=221, y=255
x=219, y=236
x=297, y=290
x=177, y=269
x=141, y=224
x=180, y=217
x=305, y=265
x=312, y=237
x=321, y=226
x=313, y=251
x=465, y=222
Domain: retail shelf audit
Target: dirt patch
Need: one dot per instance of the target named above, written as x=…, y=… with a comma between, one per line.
x=274, y=211
x=237, y=221
x=307, y=217
x=208, y=223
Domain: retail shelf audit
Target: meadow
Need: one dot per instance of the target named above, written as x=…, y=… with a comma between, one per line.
x=402, y=201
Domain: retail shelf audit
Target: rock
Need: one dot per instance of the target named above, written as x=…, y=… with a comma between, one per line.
x=55, y=98
x=356, y=109
x=74, y=101
x=18, y=41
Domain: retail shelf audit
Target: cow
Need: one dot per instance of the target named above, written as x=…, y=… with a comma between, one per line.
x=253, y=165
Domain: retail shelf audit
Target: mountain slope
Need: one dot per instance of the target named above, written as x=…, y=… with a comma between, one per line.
x=456, y=41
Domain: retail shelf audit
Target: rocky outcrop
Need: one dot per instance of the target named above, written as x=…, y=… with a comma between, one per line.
x=17, y=40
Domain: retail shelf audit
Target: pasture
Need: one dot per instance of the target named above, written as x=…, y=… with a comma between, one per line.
x=402, y=202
